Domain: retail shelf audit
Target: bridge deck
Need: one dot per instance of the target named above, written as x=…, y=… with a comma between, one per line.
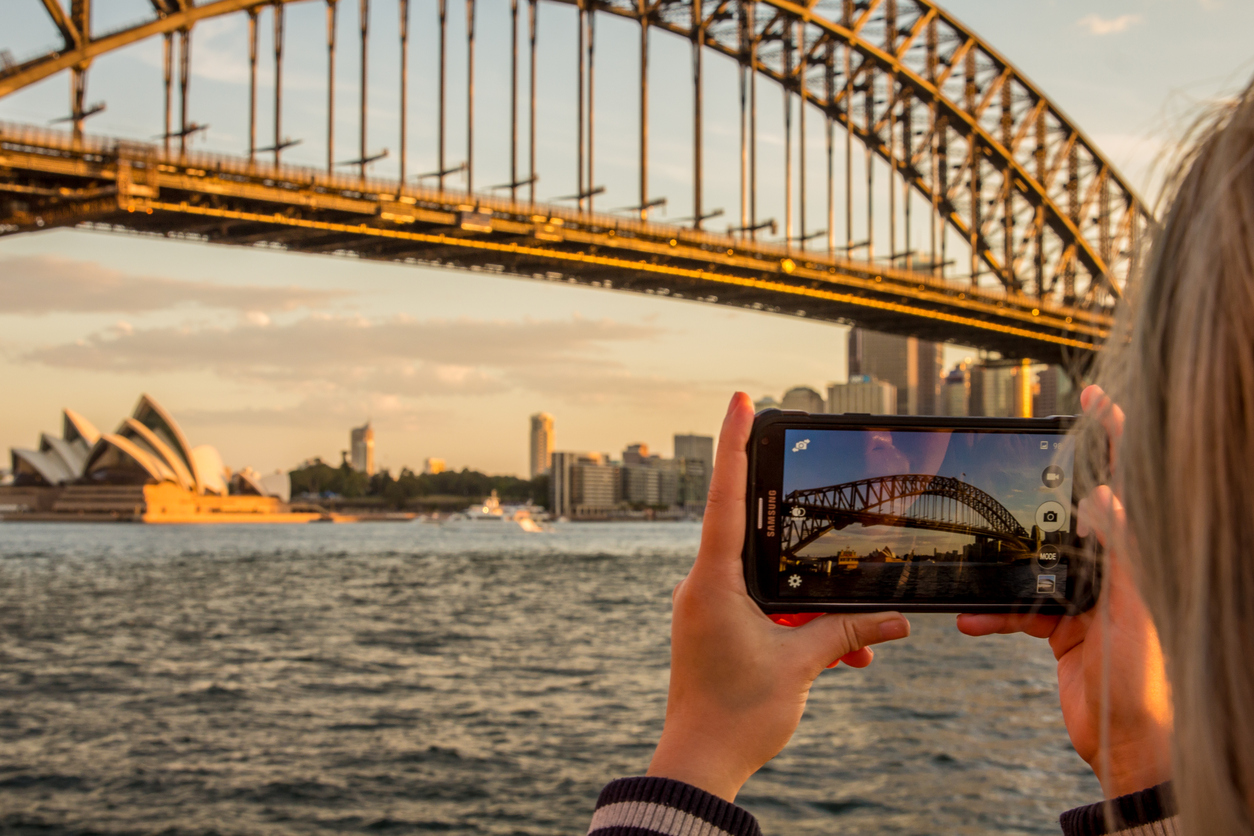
x=49, y=180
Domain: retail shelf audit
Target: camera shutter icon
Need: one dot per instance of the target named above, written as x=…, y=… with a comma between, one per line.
x=1051, y=516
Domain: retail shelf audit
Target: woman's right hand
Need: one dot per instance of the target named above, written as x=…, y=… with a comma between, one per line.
x=1115, y=642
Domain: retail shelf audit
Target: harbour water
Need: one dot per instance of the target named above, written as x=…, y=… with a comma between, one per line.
x=401, y=678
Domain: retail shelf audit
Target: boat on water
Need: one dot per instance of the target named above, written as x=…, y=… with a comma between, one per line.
x=847, y=558
x=492, y=512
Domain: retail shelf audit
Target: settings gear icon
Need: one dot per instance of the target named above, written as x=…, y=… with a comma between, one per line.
x=794, y=581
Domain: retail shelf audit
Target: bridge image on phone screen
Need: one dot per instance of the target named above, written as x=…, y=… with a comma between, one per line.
x=924, y=515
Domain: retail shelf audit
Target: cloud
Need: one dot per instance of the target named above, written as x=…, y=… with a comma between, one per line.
x=398, y=356
x=44, y=284
x=1098, y=25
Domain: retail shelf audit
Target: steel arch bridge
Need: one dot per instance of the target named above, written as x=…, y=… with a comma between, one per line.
x=936, y=503
x=984, y=215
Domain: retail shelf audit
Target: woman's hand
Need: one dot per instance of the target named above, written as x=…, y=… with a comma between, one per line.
x=739, y=681
x=1117, y=640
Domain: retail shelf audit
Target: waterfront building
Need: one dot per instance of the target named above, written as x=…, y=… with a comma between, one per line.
x=432, y=466
x=912, y=365
x=146, y=470
x=636, y=454
x=1055, y=393
x=642, y=485
x=862, y=393
x=695, y=457
x=361, y=449
x=803, y=398
x=596, y=488
x=765, y=402
x=1000, y=388
x=541, y=443
x=562, y=493
x=954, y=392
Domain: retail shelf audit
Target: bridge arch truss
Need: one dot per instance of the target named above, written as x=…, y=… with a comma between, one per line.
x=1048, y=230
x=912, y=500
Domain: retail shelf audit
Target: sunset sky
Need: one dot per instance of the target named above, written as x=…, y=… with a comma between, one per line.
x=272, y=357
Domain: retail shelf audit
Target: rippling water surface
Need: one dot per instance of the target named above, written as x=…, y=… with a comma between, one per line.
x=395, y=678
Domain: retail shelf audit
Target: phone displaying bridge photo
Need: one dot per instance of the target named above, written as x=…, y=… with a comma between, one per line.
x=925, y=515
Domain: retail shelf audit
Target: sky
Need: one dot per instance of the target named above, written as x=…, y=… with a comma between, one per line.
x=272, y=357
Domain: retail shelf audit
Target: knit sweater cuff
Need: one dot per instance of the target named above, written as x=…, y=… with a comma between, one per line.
x=1150, y=812
x=651, y=806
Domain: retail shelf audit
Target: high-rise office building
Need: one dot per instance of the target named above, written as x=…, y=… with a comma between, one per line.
x=862, y=394
x=912, y=365
x=636, y=454
x=433, y=466
x=1055, y=393
x=641, y=485
x=1000, y=389
x=563, y=496
x=695, y=455
x=361, y=449
x=954, y=392
x=765, y=402
x=803, y=398
x=596, y=488
x=541, y=443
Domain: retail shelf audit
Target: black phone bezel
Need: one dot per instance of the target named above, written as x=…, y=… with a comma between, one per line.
x=1082, y=586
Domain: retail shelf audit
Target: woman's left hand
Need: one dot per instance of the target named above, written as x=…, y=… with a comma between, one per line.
x=739, y=681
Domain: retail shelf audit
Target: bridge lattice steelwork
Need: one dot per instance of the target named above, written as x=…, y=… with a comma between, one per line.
x=987, y=216
x=936, y=503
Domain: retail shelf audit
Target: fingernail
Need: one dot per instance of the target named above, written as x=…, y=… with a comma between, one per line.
x=732, y=403
x=897, y=628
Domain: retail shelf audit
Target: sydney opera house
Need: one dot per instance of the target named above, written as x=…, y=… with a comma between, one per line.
x=145, y=471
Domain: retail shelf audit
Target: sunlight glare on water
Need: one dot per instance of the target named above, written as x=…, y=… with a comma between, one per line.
x=395, y=678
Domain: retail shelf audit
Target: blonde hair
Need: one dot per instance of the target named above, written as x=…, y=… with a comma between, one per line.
x=1181, y=365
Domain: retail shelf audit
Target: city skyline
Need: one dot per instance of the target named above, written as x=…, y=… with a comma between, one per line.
x=271, y=356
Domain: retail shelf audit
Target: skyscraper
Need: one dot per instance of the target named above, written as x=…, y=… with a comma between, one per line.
x=862, y=394
x=696, y=456
x=361, y=447
x=912, y=365
x=541, y=443
x=803, y=398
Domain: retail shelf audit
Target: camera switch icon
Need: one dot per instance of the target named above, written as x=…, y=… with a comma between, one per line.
x=1051, y=516
x=801, y=445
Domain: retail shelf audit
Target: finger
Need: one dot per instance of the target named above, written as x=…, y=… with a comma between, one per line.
x=1095, y=402
x=834, y=635
x=988, y=624
x=723, y=527
x=1101, y=514
x=859, y=658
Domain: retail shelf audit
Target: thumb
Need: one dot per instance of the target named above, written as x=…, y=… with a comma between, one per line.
x=832, y=636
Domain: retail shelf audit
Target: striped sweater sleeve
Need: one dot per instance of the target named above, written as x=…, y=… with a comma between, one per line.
x=1150, y=812
x=657, y=806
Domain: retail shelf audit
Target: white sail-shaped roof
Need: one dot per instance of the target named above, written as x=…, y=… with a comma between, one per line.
x=151, y=443
x=76, y=428
x=36, y=467
x=153, y=416
x=210, y=471
x=119, y=461
x=72, y=456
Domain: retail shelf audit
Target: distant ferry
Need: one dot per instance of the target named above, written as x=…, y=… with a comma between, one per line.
x=491, y=511
x=847, y=559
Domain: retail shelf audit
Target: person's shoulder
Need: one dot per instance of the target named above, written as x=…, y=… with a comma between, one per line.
x=647, y=806
x=1150, y=812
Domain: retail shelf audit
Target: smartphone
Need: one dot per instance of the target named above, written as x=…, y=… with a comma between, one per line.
x=856, y=513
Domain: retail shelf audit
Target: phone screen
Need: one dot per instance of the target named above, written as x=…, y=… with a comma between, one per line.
x=923, y=516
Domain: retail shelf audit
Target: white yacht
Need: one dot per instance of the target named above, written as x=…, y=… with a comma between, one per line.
x=492, y=511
